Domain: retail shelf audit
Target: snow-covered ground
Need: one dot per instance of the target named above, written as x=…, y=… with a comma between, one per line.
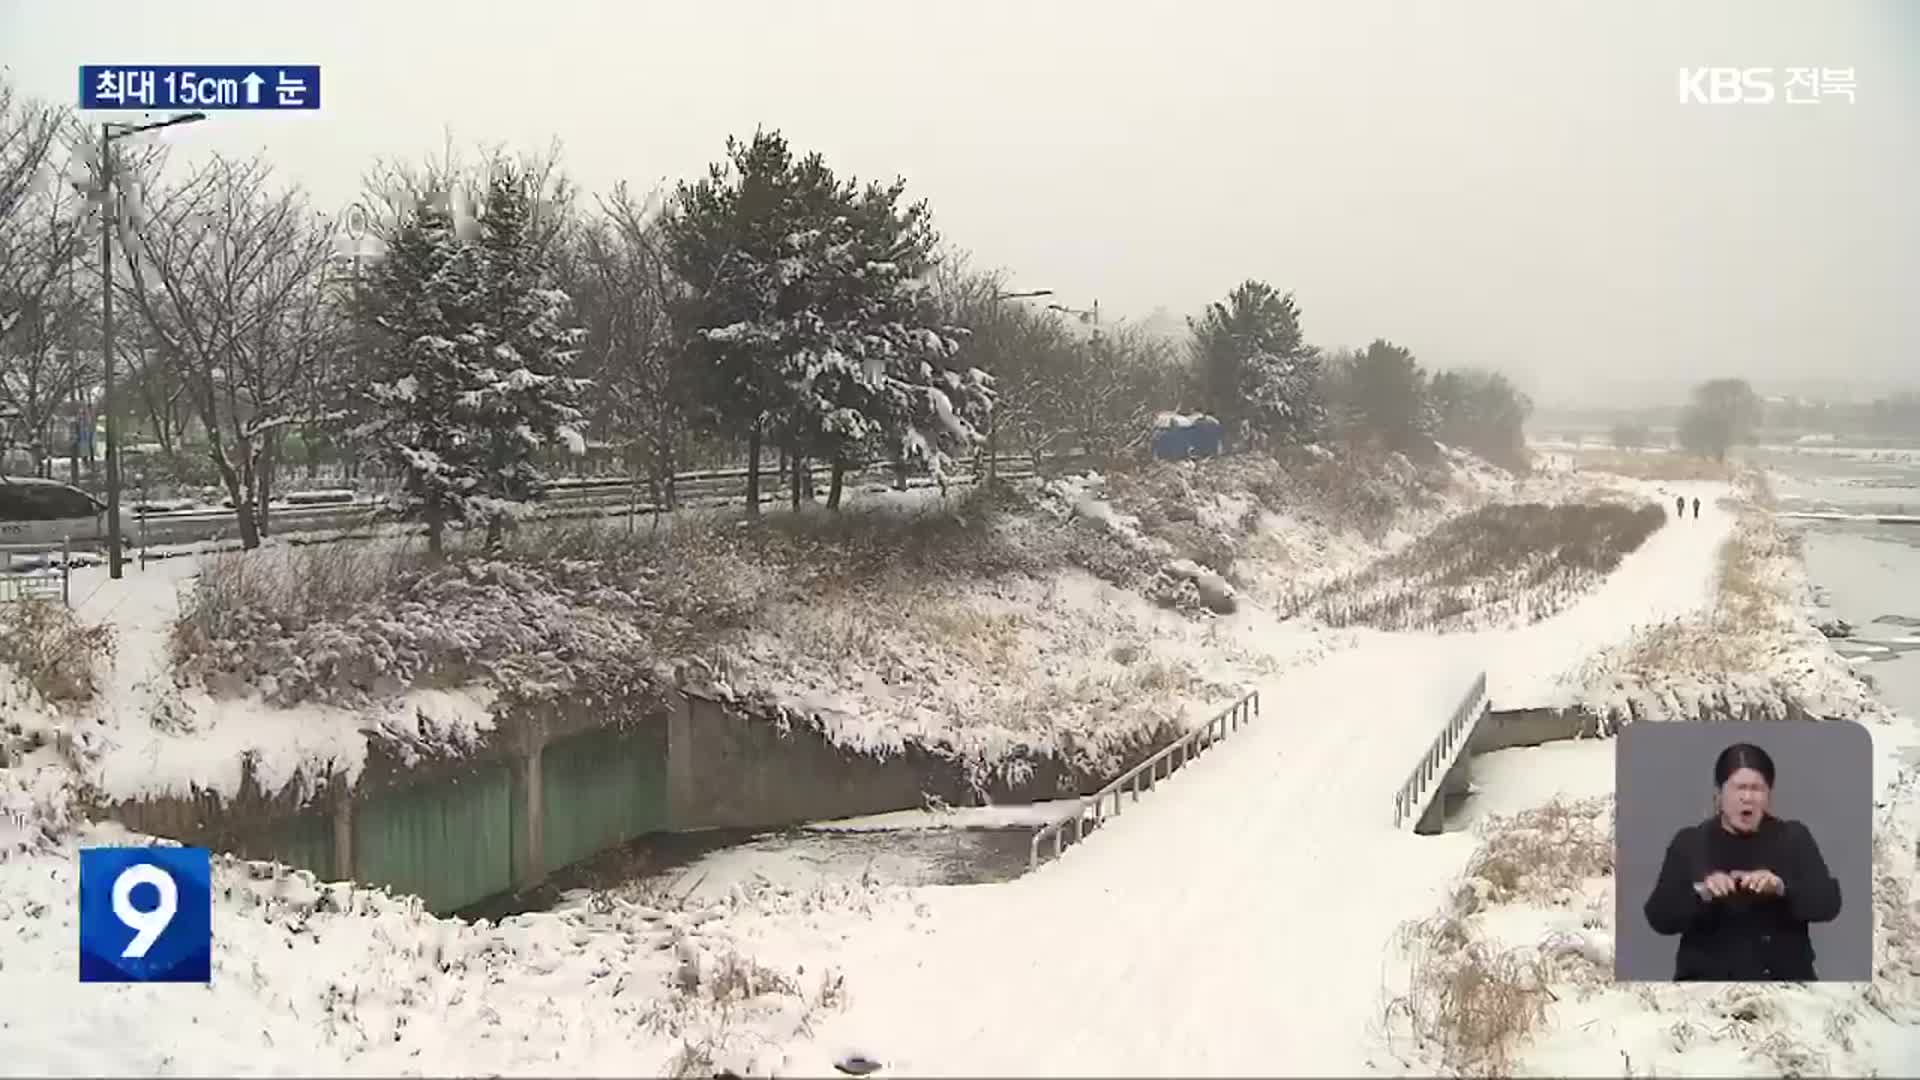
x=1533, y=961
x=1237, y=920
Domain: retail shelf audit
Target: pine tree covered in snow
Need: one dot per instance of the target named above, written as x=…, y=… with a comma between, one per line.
x=524, y=342
x=409, y=398
x=807, y=319
x=1258, y=376
x=466, y=375
x=874, y=369
x=725, y=238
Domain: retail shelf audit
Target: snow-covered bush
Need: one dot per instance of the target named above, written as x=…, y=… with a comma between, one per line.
x=52, y=650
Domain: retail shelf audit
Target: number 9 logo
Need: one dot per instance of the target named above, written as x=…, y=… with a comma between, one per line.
x=146, y=914
x=147, y=926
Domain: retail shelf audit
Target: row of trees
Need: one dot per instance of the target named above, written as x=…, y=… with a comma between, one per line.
x=1254, y=371
x=487, y=317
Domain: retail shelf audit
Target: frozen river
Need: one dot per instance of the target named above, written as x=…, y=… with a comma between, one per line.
x=1868, y=574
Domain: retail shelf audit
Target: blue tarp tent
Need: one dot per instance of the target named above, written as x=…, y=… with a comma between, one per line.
x=1180, y=438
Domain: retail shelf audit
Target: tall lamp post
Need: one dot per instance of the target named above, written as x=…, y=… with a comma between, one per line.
x=109, y=218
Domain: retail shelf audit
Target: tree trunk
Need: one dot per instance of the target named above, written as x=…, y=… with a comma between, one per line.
x=436, y=532
x=496, y=521
x=264, y=475
x=753, y=470
x=899, y=472
x=794, y=481
x=780, y=476
x=837, y=485
x=993, y=448
x=241, y=490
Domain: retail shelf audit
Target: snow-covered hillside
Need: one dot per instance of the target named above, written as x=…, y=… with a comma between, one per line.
x=345, y=981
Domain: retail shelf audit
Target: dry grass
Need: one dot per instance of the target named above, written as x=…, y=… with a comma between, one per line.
x=1546, y=854
x=50, y=648
x=291, y=587
x=1476, y=1004
x=715, y=1000
x=1208, y=512
x=1503, y=562
x=1474, y=1001
x=1668, y=467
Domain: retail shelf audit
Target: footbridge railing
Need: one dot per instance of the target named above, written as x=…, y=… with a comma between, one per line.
x=1410, y=802
x=1092, y=811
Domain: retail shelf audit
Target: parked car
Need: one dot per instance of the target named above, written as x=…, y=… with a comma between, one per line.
x=43, y=513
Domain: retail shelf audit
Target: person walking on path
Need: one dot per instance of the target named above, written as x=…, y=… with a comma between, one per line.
x=1696, y=507
x=1680, y=506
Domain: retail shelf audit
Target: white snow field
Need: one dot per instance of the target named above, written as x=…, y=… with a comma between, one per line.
x=1235, y=921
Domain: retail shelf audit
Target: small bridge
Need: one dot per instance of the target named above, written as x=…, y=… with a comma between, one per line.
x=1451, y=725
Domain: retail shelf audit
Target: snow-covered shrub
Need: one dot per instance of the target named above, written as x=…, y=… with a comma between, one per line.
x=1468, y=999
x=52, y=650
x=1547, y=854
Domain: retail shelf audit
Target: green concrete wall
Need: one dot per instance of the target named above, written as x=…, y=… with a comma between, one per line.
x=600, y=789
x=451, y=842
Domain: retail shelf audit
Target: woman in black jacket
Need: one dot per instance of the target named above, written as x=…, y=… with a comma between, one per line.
x=1741, y=887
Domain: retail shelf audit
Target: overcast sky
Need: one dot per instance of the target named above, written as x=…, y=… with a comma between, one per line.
x=1511, y=183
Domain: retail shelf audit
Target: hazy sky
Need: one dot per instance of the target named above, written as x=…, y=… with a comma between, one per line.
x=1505, y=183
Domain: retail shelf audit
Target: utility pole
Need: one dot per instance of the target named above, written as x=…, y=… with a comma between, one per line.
x=109, y=219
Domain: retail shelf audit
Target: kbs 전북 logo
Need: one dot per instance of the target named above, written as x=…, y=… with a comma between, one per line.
x=146, y=915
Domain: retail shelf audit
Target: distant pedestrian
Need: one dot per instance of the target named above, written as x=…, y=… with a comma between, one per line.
x=1680, y=506
x=1696, y=506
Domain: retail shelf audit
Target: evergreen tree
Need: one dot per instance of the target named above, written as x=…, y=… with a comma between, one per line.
x=524, y=344
x=412, y=400
x=807, y=318
x=728, y=238
x=1484, y=412
x=876, y=366
x=1389, y=396
x=466, y=377
x=1257, y=375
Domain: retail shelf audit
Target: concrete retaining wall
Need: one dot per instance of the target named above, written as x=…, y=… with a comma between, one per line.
x=724, y=767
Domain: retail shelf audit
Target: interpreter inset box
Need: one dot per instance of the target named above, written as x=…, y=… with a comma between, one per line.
x=1745, y=852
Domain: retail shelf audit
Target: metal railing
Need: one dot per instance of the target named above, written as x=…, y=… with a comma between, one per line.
x=1408, y=802
x=1092, y=811
x=40, y=581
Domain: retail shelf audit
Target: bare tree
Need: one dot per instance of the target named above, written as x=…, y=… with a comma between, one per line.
x=44, y=371
x=1109, y=385
x=623, y=288
x=1028, y=351
x=228, y=277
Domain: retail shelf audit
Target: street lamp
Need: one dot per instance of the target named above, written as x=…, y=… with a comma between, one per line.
x=109, y=217
x=1091, y=317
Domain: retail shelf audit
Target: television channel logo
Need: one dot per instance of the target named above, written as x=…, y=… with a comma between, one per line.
x=146, y=914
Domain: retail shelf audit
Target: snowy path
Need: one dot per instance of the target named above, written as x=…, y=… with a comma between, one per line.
x=1160, y=943
x=1236, y=920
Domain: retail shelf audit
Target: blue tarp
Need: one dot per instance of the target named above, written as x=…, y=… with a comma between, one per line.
x=1180, y=438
